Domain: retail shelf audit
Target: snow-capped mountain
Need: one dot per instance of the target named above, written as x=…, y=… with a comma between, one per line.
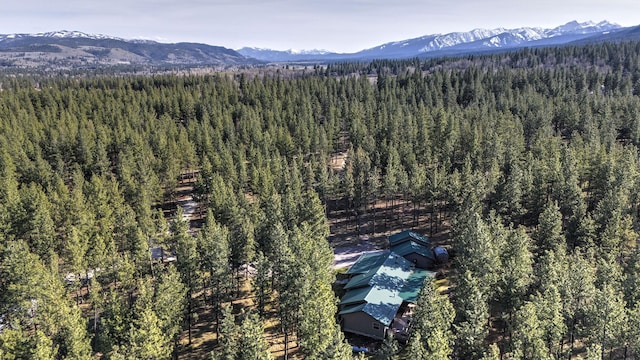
x=285, y=55
x=486, y=39
x=66, y=34
x=474, y=41
x=76, y=34
x=587, y=27
x=72, y=49
x=62, y=34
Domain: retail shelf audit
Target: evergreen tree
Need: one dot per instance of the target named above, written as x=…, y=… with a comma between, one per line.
x=527, y=335
x=187, y=261
x=147, y=340
x=432, y=324
x=169, y=303
x=229, y=336
x=517, y=268
x=476, y=250
x=261, y=282
x=472, y=315
x=339, y=348
x=214, y=256
x=252, y=344
x=548, y=234
x=388, y=349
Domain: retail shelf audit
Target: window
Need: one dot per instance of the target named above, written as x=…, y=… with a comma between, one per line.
x=376, y=325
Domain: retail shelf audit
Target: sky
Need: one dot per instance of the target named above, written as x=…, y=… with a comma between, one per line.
x=334, y=25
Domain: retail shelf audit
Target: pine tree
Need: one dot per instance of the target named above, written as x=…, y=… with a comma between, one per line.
x=492, y=353
x=169, y=303
x=578, y=292
x=527, y=335
x=77, y=248
x=476, y=250
x=472, y=313
x=609, y=319
x=16, y=344
x=187, y=261
x=37, y=226
x=432, y=324
x=338, y=349
x=416, y=348
x=388, y=349
x=510, y=197
x=261, y=282
x=229, y=336
x=517, y=268
x=253, y=345
x=147, y=340
x=548, y=306
x=43, y=348
x=214, y=255
x=548, y=234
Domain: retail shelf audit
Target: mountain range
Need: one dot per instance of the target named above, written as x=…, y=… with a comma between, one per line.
x=74, y=49
x=458, y=43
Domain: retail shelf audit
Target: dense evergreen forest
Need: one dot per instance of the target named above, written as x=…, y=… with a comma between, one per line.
x=529, y=157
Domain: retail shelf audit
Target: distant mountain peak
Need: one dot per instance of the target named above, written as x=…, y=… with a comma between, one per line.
x=72, y=34
x=307, y=52
x=76, y=49
x=461, y=42
x=479, y=39
x=283, y=55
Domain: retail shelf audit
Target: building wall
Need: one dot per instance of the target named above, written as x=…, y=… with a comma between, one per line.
x=362, y=324
x=420, y=261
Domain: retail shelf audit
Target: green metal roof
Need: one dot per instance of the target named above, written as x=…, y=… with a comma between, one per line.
x=355, y=296
x=410, y=247
x=350, y=309
x=414, y=284
x=408, y=235
x=368, y=261
x=377, y=291
x=383, y=312
x=389, y=274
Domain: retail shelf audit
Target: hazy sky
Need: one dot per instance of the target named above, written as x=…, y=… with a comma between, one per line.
x=336, y=25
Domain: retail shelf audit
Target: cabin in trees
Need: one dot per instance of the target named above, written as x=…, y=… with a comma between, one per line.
x=413, y=247
x=158, y=254
x=380, y=294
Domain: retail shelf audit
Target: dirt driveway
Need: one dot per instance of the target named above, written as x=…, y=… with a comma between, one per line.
x=346, y=255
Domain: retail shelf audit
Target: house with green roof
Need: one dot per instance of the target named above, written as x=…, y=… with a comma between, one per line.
x=381, y=283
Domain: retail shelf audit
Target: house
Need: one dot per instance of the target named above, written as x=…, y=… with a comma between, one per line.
x=158, y=254
x=382, y=286
x=413, y=247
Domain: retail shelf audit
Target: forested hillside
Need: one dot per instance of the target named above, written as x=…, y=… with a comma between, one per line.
x=530, y=157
